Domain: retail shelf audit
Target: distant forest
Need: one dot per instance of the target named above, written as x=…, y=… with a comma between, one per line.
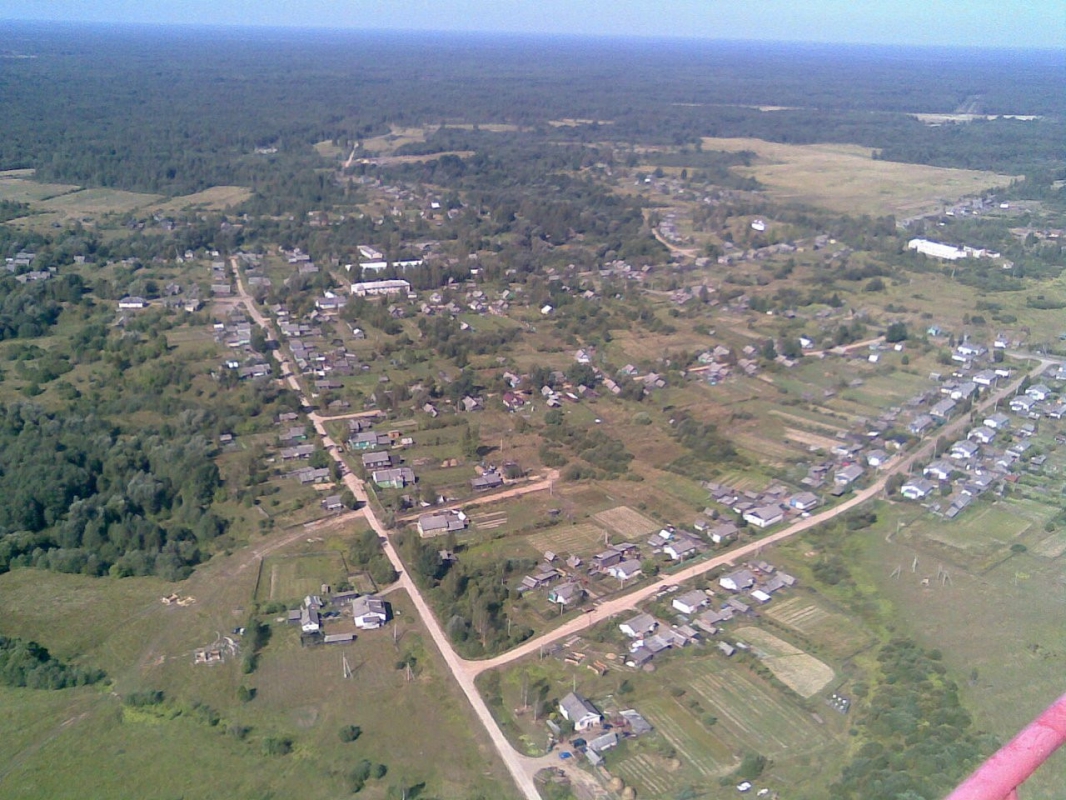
x=177, y=110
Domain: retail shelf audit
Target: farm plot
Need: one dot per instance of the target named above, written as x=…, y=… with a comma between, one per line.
x=812, y=440
x=753, y=712
x=290, y=577
x=582, y=538
x=627, y=522
x=804, y=674
x=774, y=453
x=648, y=774
x=490, y=520
x=704, y=753
x=808, y=419
x=985, y=529
x=1051, y=547
x=843, y=637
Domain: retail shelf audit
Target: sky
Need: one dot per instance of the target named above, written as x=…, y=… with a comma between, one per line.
x=981, y=23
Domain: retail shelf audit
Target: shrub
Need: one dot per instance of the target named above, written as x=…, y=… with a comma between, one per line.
x=349, y=733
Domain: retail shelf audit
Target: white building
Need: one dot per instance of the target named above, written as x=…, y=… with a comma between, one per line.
x=395, y=286
x=946, y=252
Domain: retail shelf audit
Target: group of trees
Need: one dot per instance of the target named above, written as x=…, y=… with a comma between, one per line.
x=83, y=497
x=28, y=664
x=918, y=740
x=472, y=599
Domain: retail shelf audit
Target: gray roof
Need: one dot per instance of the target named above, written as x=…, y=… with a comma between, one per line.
x=574, y=707
x=641, y=624
x=368, y=604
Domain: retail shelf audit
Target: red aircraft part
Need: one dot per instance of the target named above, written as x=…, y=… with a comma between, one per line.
x=1009, y=767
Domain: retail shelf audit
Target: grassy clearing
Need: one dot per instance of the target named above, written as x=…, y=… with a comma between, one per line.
x=839, y=177
x=802, y=673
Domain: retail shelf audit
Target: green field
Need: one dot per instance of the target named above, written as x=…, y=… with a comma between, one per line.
x=838, y=633
x=292, y=577
x=840, y=176
x=999, y=627
x=22, y=190
x=82, y=742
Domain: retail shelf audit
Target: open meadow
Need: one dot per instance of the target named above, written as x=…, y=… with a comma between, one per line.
x=840, y=177
x=86, y=743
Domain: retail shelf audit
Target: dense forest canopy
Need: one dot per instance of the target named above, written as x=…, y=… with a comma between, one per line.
x=175, y=110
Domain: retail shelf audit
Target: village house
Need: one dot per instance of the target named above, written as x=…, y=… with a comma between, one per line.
x=847, y=475
x=724, y=533
x=1022, y=404
x=943, y=409
x=690, y=602
x=369, y=612
x=738, y=580
x=997, y=421
x=333, y=503
x=489, y=480
x=917, y=488
x=981, y=435
x=566, y=594
x=940, y=470
x=876, y=458
x=639, y=626
x=377, y=460
x=625, y=570
x=920, y=424
x=541, y=578
x=764, y=516
x=681, y=546
x=365, y=440
x=608, y=558
x=803, y=501
x=444, y=522
x=579, y=711
x=395, y=478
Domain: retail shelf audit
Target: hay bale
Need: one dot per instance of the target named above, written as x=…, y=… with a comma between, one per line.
x=616, y=785
x=629, y=793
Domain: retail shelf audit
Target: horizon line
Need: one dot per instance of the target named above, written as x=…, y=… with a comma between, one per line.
x=221, y=27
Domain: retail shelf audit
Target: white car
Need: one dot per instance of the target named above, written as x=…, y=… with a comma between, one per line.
x=744, y=787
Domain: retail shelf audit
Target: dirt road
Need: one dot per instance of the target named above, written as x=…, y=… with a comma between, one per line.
x=522, y=768
x=629, y=601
